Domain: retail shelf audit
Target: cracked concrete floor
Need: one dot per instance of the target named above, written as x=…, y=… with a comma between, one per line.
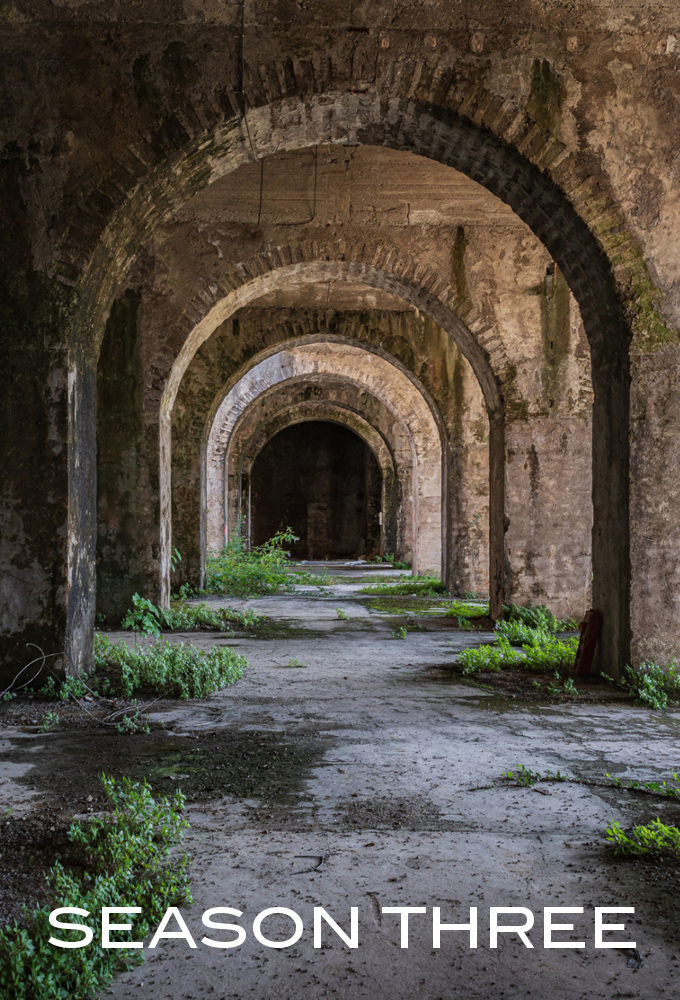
x=384, y=810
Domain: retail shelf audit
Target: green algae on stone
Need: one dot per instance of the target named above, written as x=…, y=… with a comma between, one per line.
x=546, y=96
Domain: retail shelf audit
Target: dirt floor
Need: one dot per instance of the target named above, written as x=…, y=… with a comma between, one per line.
x=368, y=775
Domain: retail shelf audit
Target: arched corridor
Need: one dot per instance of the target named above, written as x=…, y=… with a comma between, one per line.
x=345, y=339
x=323, y=481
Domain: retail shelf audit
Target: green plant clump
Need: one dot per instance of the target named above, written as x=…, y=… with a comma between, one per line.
x=427, y=586
x=170, y=669
x=653, y=684
x=49, y=721
x=544, y=652
x=522, y=775
x=242, y=571
x=463, y=609
x=517, y=632
x=127, y=856
x=560, y=687
x=174, y=669
x=655, y=838
x=534, y=629
x=537, y=616
x=148, y=618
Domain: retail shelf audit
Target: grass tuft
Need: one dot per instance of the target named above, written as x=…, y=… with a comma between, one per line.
x=168, y=669
x=463, y=609
x=146, y=617
x=427, y=586
x=544, y=652
x=655, y=838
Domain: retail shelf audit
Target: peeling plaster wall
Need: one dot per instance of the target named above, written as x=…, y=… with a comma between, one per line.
x=127, y=490
x=549, y=512
x=655, y=466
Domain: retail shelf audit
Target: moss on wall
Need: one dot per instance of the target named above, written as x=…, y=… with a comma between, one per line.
x=555, y=334
x=461, y=300
x=546, y=96
x=124, y=502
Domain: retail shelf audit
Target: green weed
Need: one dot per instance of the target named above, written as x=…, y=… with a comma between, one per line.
x=342, y=615
x=175, y=670
x=147, y=618
x=543, y=653
x=517, y=632
x=569, y=687
x=558, y=687
x=428, y=586
x=660, y=788
x=241, y=570
x=533, y=629
x=465, y=610
x=655, y=838
x=653, y=685
x=125, y=863
x=294, y=662
x=522, y=775
x=133, y=723
x=400, y=633
x=537, y=616
x=49, y=721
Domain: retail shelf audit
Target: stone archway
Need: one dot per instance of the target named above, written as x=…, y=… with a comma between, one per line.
x=397, y=393
x=311, y=272
x=250, y=442
x=451, y=139
x=382, y=501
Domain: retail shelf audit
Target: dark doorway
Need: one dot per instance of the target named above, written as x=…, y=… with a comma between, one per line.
x=323, y=481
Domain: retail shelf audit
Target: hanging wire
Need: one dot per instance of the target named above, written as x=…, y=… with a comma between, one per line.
x=259, y=209
x=243, y=75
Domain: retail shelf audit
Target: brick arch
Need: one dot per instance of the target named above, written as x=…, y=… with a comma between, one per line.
x=378, y=264
x=407, y=107
x=476, y=135
x=370, y=371
x=303, y=412
x=265, y=273
x=248, y=441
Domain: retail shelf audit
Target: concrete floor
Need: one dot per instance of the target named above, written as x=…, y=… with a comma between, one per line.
x=385, y=813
